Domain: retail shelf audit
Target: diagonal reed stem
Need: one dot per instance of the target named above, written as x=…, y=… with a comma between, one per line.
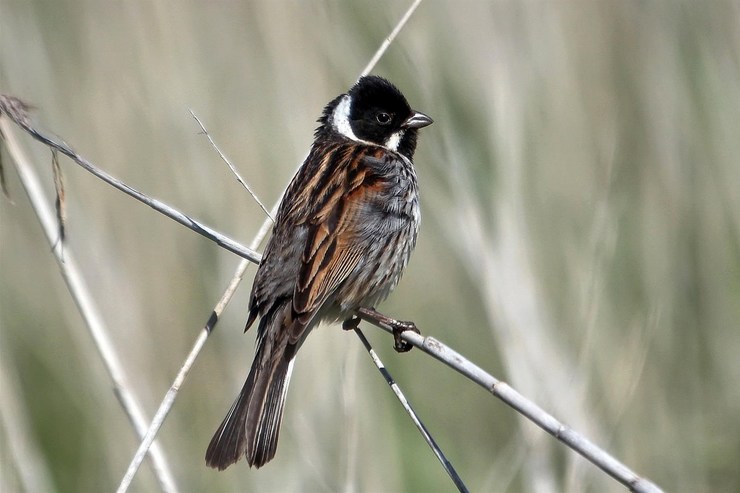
x=85, y=304
x=518, y=402
x=451, y=472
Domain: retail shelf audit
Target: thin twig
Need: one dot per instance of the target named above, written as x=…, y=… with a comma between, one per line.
x=514, y=399
x=22, y=120
x=392, y=36
x=414, y=417
x=169, y=399
x=231, y=166
x=85, y=304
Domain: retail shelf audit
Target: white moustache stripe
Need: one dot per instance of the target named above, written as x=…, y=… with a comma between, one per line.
x=340, y=119
x=394, y=140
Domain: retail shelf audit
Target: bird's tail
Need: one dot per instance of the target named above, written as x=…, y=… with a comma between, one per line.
x=252, y=425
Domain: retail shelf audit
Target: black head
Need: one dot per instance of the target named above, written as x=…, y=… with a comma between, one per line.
x=376, y=112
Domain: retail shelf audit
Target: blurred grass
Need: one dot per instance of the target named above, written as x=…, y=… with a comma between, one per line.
x=581, y=236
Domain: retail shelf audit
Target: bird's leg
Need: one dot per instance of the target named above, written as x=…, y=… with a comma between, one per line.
x=397, y=327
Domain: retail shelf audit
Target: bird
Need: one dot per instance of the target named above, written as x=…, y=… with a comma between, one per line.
x=342, y=237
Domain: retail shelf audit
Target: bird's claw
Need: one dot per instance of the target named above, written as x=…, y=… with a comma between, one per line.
x=399, y=328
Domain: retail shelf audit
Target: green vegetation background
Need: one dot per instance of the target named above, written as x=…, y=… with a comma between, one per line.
x=581, y=238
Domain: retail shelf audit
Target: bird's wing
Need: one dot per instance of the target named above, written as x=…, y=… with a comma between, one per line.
x=337, y=235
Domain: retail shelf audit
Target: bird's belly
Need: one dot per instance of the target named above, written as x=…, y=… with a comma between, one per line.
x=377, y=273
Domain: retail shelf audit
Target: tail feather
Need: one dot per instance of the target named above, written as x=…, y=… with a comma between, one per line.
x=263, y=444
x=252, y=425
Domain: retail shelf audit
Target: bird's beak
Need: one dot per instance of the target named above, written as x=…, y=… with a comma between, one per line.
x=417, y=120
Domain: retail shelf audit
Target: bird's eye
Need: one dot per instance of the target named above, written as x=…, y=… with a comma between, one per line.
x=383, y=118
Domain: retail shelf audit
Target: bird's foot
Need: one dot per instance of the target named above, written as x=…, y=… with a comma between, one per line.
x=399, y=327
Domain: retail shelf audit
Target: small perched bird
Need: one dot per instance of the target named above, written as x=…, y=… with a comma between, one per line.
x=342, y=237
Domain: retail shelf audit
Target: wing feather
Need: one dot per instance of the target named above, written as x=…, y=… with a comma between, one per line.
x=335, y=243
x=341, y=190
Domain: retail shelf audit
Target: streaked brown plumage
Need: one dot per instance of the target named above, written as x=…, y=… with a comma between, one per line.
x=342, y=237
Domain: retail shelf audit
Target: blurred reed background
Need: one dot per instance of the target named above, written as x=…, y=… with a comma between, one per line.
x=581, y=238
